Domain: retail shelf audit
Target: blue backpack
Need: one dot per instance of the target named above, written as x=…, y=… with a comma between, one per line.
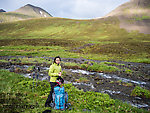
x=60, y=98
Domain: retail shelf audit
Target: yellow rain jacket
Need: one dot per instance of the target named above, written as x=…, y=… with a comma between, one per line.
x=54, y=72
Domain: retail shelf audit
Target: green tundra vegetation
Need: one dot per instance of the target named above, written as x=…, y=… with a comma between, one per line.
x=19, y=95
x=139, y=91
x=99, y=39
x=97, y=67
x=96, y=39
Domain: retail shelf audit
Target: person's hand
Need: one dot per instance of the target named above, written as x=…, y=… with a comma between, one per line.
x=59, y=73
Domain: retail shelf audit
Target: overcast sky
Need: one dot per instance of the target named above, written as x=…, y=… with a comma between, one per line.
x=75, y=9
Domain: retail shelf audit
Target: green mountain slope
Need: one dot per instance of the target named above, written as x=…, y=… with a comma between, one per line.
x=12, y=16
x=102, y=39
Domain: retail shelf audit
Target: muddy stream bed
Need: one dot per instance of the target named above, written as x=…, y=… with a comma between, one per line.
x=118, y=86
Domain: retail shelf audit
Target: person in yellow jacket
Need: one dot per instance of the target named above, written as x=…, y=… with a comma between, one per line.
x=54, y=73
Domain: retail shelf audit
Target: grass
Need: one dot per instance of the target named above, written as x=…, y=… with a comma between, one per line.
x=18, y=94
x=142, y=18
x=3, y=61
x=141, y=92
x=100, y=39
x=72, y=64
x=102, y=67
x=12, y=16
x=82, y=79
x=89, y=66
x=142, y=60
x=49, y=51
x=114, y=63
x=105, y=67
x=73, y=38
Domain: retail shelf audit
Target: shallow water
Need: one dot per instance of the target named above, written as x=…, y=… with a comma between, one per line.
x=116, y=94
x=108, y=76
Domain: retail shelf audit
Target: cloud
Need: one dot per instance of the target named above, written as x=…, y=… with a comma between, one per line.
x=84, y=9
x=81, y=9
x=88, y=8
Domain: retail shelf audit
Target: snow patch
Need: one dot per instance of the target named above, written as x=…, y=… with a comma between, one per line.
x=41, y=12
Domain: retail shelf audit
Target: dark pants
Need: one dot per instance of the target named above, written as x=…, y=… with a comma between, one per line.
x=49, y=99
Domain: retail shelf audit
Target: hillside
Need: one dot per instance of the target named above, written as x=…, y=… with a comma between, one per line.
x=133, y=15
x=100, y=39
x=31, y=10
x=94, y=39
x=26, y=12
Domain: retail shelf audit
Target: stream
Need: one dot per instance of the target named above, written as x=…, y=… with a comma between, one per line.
x=98, y=82
x=118, y=87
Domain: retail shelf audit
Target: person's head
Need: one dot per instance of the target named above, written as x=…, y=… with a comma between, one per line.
x=57, y=60
x=60, y=80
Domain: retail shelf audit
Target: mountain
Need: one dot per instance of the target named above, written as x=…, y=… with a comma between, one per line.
x=26, y=12
x=31, y=10
x=133, y=15
x=1, y=10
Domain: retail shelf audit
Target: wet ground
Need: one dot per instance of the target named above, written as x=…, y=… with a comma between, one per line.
x=118, y=85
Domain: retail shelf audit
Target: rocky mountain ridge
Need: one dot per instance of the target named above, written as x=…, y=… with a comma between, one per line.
x=33, y=11
x=26, y=12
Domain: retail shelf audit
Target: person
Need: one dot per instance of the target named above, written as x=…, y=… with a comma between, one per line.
x=54, y=73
